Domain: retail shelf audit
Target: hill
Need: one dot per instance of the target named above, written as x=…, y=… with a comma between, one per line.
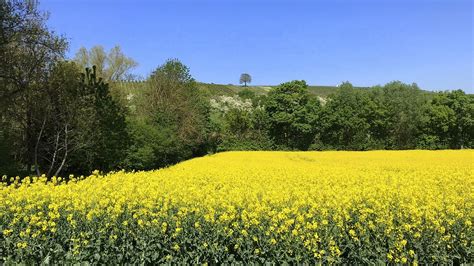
x=213, y=90
x=230, y=89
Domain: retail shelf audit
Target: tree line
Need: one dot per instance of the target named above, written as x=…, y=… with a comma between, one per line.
x=394, y=116
x=59, y=117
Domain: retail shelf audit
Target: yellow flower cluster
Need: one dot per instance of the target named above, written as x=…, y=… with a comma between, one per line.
x=343, y=207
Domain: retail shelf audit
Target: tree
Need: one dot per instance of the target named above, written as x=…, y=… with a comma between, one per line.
x=172, y=91
x=8, y=164
x=462, y=135
x=107, y=128
x=448, y=121
x=403, y=114
x=172, y=119
x=80, y=126
x=245, y=78
x=344, y=120
x=58, y=117
x=242, y=125
x=111, y=66
x=292, y=115
x=28, y=51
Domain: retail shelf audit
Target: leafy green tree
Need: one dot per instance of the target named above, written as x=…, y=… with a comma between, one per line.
x=344, y=120
x=399, y=109
x=80, y=126
x=245, y=78
x=292, y=115
x=437, y=124
x=241, y=124
x=28, y=51
x=59, y=114
x=152, y=146
x=376, y=114
x=8, y=165
x=176, y=115
x=174, y=95
x=462, y=135
x=109, y=136
x=449, y=121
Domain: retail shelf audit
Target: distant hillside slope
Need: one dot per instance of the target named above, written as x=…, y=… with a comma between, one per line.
x=213, y=90
x=220, y=89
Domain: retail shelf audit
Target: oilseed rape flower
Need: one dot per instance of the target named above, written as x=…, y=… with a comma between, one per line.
x=412, y=207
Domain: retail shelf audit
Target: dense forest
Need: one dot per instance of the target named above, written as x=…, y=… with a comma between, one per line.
x=60, y=116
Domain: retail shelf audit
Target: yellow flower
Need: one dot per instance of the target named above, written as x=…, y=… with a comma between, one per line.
x=352, y=233
x=389, y=256
x=403, y=242
x=294, y=232
x=176, y=247
x=7, y=232
x=21, y=245
x=306, y=198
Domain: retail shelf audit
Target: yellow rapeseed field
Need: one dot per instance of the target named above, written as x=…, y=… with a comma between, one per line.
x=329, y=207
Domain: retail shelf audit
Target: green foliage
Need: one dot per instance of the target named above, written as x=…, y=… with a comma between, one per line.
x=62, y=120
x=28, y=50
x=344, y=119
x=152, y=147
x=171, y=122
x=230, y=90
x=292, y=115
x=247, y=94
x=448, y=121
x=81, y=127
x=245, y=130
x=403, y=108
x=8, y=166
x=245, y=78
x=110, y=137
x=53, y=121
x=111, y=66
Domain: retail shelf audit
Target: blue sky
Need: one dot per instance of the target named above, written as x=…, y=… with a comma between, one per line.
x=366, y=42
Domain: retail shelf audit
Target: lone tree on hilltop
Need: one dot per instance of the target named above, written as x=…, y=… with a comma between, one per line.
x=245, y=78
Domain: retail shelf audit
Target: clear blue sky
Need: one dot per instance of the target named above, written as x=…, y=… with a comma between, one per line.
x=429, y=42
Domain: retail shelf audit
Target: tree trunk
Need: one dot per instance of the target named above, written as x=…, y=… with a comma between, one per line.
x=36, y=147
x=66, y=149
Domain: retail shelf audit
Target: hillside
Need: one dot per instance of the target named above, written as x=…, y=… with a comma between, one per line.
x=230, y=89
x=213, y=90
